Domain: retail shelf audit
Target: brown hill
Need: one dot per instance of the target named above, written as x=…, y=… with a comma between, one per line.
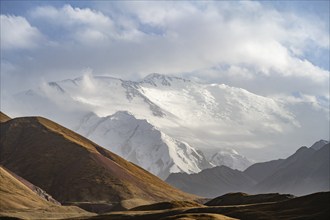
x=18, y=200
x=4, y=117
x=73, y=169
x=243, y=199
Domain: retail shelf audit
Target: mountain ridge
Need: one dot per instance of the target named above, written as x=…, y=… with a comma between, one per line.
x=143, y=144
x=304, y=172
x=73, y=169
x=212, y=181
x=206, y=116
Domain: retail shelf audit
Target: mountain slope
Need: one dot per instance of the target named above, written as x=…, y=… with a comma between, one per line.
x=73, y=169
x=18, y=200
x=306, y=171
x=40, y=192
x=259, y=171
x=140, y=142
x=4, y=117
x=212, y=182
x=16, y=195
x=319, y=144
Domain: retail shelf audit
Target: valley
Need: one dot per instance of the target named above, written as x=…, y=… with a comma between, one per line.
x=165, y=110
x=49, y=171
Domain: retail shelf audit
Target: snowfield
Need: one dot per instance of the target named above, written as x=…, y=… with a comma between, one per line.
x=166, y=124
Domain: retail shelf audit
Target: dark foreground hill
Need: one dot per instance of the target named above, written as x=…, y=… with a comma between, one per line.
x=314, y=206
x=167, y=205
x=18, y=200
x=75, y=170
x=244, y=199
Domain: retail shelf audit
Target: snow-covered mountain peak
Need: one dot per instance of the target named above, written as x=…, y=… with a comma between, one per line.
x=206, y=116
x=230, y=158
x=143, y=144
x=56, y=86
x=122, y=115
x=157, y=79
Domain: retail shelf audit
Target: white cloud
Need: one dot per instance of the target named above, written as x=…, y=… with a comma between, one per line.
x=85, y=25
x=69, y=16
x=17, y=33
x=256, y=44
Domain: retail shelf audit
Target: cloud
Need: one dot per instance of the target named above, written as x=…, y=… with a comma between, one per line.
x=84, y=25
x=17, y=33
x=282, y=54
x=244, y=44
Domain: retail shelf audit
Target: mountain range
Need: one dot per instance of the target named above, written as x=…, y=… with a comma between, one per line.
x=306, y=171
x=179, y=107
x=204, y=118
x=44, y=167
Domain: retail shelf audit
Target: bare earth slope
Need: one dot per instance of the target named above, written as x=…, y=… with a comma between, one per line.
x=18, y=200
x=73, y=169
x=4, y=117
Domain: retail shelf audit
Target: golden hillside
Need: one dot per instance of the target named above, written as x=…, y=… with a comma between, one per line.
x=73, y=169
x=18, y=200
x=4, y=117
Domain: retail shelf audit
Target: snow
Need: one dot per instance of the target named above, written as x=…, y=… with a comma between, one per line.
x=230, y=158
x=141, y=143
x=161, y=123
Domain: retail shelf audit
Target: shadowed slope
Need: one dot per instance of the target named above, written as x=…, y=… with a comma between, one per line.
x=212, y=182
x=307, y=171
x=167, y=205
x=73, y=169
x=260, y=171
x=243, y=199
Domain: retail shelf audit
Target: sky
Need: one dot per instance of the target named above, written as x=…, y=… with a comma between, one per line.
x=276, y=49
x=238, y=43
